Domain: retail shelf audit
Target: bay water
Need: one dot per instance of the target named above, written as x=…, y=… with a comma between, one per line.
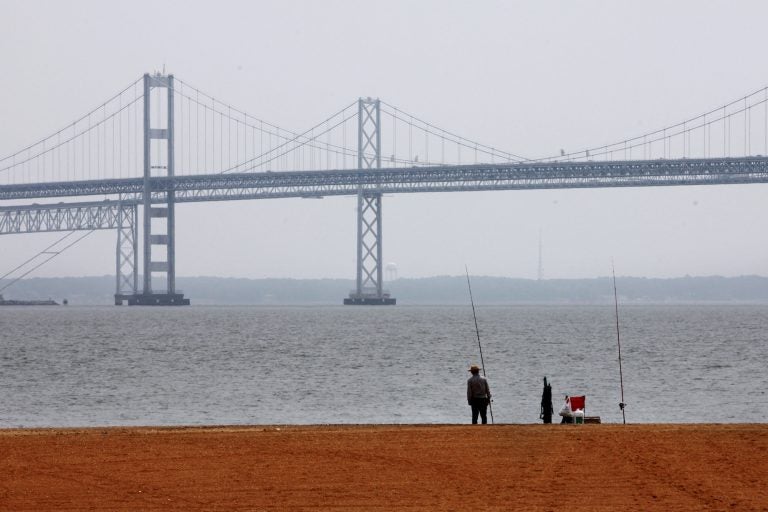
x=108, y=366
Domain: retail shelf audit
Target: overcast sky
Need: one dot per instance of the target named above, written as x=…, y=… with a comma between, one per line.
x=529, y=77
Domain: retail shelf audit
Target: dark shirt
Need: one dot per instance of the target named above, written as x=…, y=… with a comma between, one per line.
x=477, y=387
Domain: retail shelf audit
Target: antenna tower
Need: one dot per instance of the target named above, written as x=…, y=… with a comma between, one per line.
x=541, y=266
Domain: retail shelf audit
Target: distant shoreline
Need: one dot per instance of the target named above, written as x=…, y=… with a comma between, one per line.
x=440, y=290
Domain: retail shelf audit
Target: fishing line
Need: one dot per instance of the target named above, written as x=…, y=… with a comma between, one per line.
x=618, y=342
x=477, y=331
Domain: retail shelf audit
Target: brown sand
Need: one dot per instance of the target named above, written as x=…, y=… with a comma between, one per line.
x=422, y=467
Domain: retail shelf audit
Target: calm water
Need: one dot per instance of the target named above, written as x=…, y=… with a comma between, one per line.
x=88, y=366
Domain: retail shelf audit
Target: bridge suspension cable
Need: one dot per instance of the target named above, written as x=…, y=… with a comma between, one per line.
x=258, y=145
x=212, y=136
x=306, y=138
x=48, y=251
x=91, y=147
x=692, y=137
x=431, y=134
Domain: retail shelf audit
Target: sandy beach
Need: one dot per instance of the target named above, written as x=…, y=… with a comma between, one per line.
x=387, y=467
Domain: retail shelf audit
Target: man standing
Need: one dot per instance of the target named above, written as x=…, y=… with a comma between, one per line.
x=478, y=394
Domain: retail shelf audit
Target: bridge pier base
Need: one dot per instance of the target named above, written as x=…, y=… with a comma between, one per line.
x=152, y=299
x=352, y=300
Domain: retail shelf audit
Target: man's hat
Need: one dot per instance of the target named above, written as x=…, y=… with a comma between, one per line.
x=474, y=368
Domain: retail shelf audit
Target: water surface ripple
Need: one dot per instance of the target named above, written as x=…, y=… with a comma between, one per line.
x=94, y=366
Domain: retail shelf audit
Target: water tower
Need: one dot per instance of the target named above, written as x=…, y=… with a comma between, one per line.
x=390, y=271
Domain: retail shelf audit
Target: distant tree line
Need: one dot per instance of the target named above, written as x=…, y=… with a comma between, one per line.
x=429, y=290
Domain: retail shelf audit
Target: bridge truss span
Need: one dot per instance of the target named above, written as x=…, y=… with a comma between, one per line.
x=455, y=178
x=121, y=216
x=48, y=218
x=473, y=178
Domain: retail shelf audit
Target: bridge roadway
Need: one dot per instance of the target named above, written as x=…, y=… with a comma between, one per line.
x=308, y=184
x=454, y=178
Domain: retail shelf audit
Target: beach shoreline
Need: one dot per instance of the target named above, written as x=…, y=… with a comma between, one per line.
x=386, y=467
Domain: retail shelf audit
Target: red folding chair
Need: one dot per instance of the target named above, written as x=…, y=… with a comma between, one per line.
x=578, y=403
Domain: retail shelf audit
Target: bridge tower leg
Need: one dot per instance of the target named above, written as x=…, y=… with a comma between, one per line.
x=369, y=284
x=126, y=271
x=158, y=204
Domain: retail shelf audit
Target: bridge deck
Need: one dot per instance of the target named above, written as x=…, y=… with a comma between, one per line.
x=103, y=214
x=456, y=178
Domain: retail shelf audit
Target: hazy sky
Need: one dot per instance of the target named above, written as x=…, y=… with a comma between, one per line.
x=529, y=77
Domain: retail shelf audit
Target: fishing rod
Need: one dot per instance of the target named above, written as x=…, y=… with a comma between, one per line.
x=477, y=331
x=618, y=342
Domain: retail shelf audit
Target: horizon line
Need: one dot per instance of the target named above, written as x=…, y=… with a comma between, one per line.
x=437, y=276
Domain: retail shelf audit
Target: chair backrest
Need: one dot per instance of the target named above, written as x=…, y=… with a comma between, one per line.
x=578, y=402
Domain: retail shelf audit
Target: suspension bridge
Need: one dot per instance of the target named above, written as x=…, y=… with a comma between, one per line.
x=160, y=141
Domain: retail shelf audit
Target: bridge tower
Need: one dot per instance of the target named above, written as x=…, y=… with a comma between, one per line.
x=126, y=271
x=158, y=205
x=369, y=284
